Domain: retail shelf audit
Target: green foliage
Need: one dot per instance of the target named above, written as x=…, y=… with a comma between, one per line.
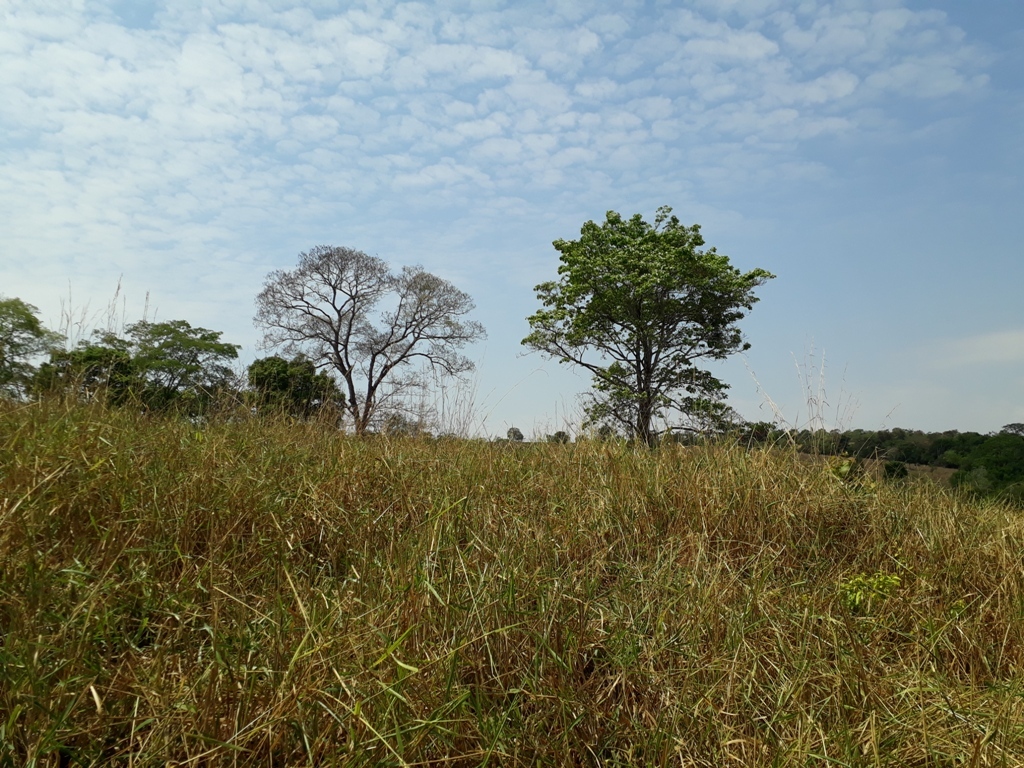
x=515, y=435
x=988, y=465
x=396, y=423
x=638, y=305
x=180, y=364
x=895, y=470
x=862, y=591
x=22, y=338
x=975, y=480
x=101, y=369
x=950, y=459
x=762, y=433
x=293, y=386
x=562, y=437
x=847, y=469
x=159, y=366
x=994, y=467
x=1002, y=455
x=944, y=449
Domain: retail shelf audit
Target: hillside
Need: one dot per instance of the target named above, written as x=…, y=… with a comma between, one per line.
x=271, y=593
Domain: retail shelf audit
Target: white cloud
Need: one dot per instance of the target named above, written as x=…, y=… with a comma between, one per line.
x=610, y=25
x=925, y=76
x=456, y=64
x=537, y=93
x=714, y=87
x=500, y=150
x=445, y=174
x=744, y=46
x=481, y=129
x=224, y=131
x=747, y=8
x=652, y=108
x=829, y=87
x=986, y=349
x=598, y=90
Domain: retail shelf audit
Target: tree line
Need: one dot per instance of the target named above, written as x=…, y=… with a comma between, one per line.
x=640, y=306
x=989, y=465
x=637, y=305
x=164, y=367
x=350, y=329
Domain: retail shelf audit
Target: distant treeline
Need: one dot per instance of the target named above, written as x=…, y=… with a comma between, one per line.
x=988, y=464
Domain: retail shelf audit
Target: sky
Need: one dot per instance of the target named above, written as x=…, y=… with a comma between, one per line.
x=160, y=159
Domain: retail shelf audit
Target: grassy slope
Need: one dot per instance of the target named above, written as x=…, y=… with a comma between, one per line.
x=271, y=594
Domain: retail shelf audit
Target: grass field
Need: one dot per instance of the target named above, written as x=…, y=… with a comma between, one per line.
x=264, y=593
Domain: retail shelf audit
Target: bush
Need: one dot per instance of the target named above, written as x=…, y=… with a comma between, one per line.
x=895, y=470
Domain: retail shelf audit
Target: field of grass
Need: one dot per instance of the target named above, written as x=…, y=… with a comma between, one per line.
x=264, y=593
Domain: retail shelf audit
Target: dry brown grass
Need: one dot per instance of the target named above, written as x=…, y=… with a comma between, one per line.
x=265, y=593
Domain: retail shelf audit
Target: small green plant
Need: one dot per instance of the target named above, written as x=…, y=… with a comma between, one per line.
x=860, y=592
x=847, y=468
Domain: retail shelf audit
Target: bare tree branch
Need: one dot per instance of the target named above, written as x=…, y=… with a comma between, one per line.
x=330, y=309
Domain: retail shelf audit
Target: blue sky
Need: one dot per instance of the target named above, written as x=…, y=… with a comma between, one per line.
x=868, y=152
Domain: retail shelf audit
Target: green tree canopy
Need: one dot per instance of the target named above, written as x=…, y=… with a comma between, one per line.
x=639, y=305
x=22, y=337
x=1002, y=456
x=180, y=363
x=101, y=368
x=293, y=386
x=158, y=365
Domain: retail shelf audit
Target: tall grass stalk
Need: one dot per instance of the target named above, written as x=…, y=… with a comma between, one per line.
x=263, y=592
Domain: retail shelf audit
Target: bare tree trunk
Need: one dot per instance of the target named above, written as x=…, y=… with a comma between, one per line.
x=644, y=415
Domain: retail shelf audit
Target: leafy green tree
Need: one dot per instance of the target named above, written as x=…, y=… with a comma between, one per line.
x=343, y=308
x=951, y=449
x=762, y=433
x=179, y=365
x=1002, y=456
x=22, y=338
x=98, y=369
x=158, y=366
x=975, y=481
x=515, y=435
x=639, y=305
x=712, y=417
x=293, y=386
x=950, y=459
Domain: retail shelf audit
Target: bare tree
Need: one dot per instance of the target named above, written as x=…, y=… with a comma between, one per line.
x=347, y=310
